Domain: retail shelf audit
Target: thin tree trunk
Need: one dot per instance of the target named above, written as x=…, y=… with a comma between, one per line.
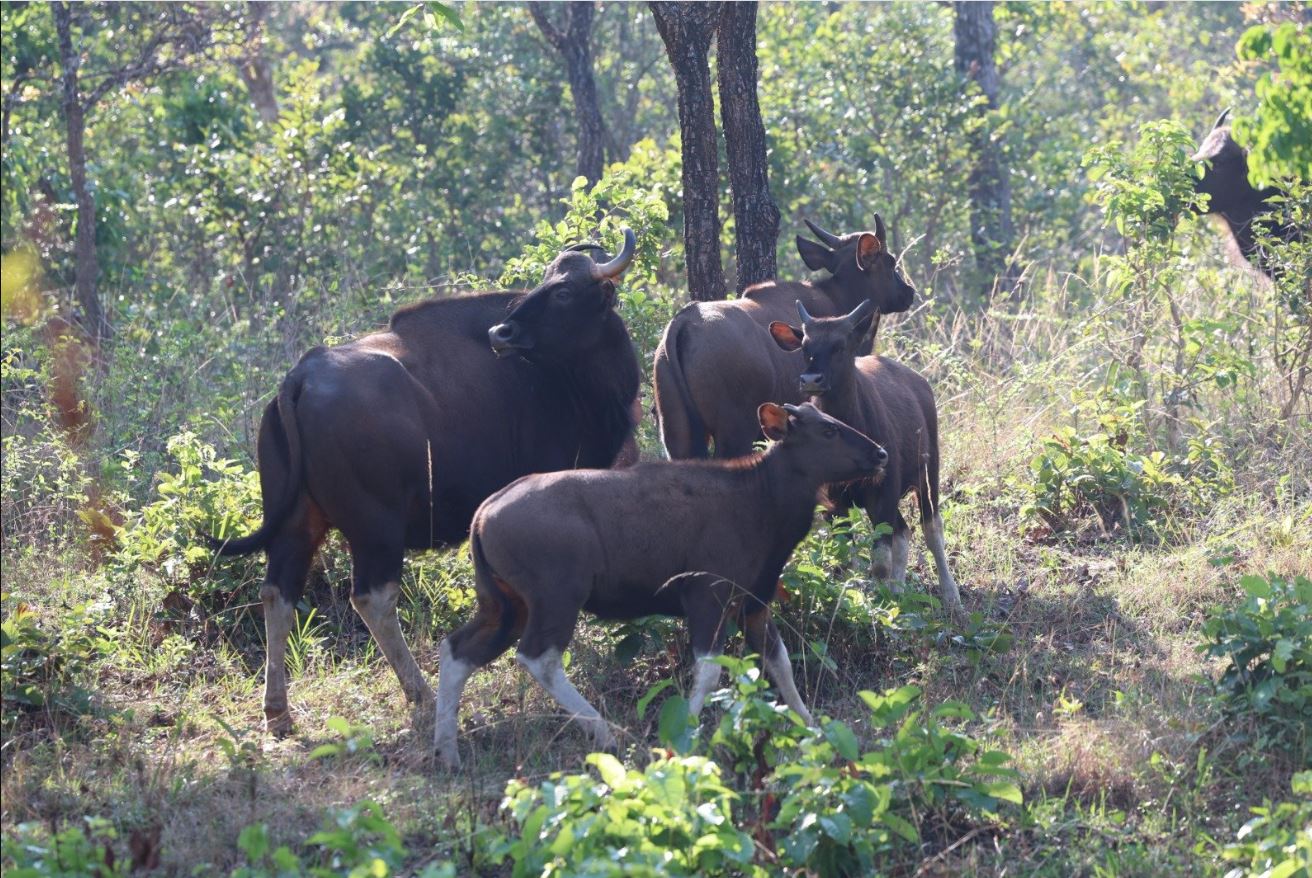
x=991, y=229
x=756, y=216
x=574, y=44
x=686, y=28
x=87, y=264
x=256, y=70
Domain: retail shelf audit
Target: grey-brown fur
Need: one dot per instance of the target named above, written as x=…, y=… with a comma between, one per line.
x=704, y=540
x=892, y=404
x=716, y=362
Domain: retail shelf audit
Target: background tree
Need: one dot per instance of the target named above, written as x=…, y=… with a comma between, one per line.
x=755, y=215
x=687, y=29
x=573, y=41
x=160, y=39
x=991, y=229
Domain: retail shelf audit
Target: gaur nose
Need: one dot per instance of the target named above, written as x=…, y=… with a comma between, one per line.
x=502, y=333
x=811, y=382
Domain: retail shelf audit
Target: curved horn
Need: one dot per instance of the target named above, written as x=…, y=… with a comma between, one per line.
x=879, y=231
x=801, y=312
x=583, y=245
x=859, y=313
x=614, y=268
x=829, y=240
x=1220, y=120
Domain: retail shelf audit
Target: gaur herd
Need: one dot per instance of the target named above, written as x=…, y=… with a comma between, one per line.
x=501, y=418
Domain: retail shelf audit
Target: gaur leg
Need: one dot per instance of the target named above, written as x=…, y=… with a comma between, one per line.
x=289, y=558
x=933, y=527
x=882, y=509
x=375, y=588
x=549, y=629
x=900, y=549
x=497, y=624
x=706, y=600
x=763, y=637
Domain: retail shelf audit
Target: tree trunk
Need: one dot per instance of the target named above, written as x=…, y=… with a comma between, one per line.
x=574, y=43
x=255, y=69
x=756, y=217
x=87, y=264
x=991, y=229
x=686, y=29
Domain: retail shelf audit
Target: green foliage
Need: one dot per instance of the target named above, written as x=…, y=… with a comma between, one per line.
x=1145, y=191
x=33, y=851
x=842, y=811
x=675, y=817
x=1279, y=134
x=46, y=666
x=1277, y=842
x=358, y=842
x=355, y=739
x=203, y=494
x=1266, y=640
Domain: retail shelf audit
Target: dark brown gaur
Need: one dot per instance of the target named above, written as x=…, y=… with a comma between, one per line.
x=705, y=540
x=716, y=362
x=893, y=405
x=395, y=438
x=1243, y=207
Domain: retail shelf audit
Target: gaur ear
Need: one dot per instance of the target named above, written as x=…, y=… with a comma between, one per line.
x=607, y=294
x=787, y=337
x=816, y=256
x=867, y=248
x=774, y=421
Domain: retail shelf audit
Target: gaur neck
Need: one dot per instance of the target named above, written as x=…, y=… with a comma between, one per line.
x=841, y=400
x=788, y=484
x=603, y=385
x=842, y=295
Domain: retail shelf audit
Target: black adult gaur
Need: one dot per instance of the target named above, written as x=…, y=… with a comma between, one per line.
x=397, y=437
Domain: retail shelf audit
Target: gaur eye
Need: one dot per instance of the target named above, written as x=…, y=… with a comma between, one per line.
x=564, y=294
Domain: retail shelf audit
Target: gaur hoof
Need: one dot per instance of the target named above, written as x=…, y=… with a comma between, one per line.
x=449, y=758
x=278, y=723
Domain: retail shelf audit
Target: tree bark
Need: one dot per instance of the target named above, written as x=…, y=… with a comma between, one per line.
x=87, y=271
x=991, y=229
x=686, y=28
x=756, y=216
x=255, y=69
x=574, y=43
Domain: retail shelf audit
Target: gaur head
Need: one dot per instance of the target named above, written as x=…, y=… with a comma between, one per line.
x=831, y=450
x=860, y=262
x=1226, y=176
x=829, y=345
x=565, y=314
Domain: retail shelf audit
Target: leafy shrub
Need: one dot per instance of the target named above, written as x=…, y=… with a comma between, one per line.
x=675, y=817
x=34, y=852
x=1277, y=842
x=46, y=666
x=841, y=808
x=1078, y=471
x=1266, y=640
x=355, y=842
x=205, y=494
x=1279, y=134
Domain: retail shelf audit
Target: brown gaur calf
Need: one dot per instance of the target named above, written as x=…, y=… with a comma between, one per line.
x=705, y=540
x=892, y=404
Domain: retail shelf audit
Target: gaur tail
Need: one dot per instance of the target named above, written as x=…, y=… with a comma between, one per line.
x=491, y=588
x=276, y=509
x=683, y=432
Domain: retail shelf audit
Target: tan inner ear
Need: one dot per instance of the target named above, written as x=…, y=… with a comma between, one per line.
x=785, y=336
x=774, y=421
x=866, y=247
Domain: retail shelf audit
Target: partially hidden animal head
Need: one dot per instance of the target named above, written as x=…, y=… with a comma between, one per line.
x=566, y=314
x=861, y=263
x=829, y=345
x=1225, y=179
x=824, y=447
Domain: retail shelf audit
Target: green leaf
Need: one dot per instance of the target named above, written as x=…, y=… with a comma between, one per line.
x=844, y=741
x=651, y=693
x=900, y=826
x=611, y=769
x=1006, y=792
x=1256, y=586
